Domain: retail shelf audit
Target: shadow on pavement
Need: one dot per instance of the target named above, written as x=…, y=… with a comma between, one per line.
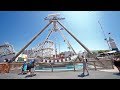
x=82, y=75
x=31, y=75
x=116, y=74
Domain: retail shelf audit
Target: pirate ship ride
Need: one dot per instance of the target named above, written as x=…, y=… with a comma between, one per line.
x=42, y=50
x=54, y=20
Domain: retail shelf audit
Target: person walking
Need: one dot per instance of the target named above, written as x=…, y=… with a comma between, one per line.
x=85, y=66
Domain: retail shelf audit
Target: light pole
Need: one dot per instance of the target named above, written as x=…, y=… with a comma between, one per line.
x=59, y=48
x=55, y=48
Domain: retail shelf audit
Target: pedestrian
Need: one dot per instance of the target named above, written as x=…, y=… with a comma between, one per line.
x=85, y=66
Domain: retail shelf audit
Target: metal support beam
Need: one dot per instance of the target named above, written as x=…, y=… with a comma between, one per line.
x=66, y=41
x=81, y=43
x=76, y=39
x=47, y=37
x=104, y=35
x=30, y=41
x=43, y=43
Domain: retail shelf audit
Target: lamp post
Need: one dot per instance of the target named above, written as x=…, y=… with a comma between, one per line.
x=55, y=48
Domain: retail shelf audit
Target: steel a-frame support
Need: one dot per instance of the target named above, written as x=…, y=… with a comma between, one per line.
x=80, y=42
x=76, y=39
x=54, y=20
x=13, y=59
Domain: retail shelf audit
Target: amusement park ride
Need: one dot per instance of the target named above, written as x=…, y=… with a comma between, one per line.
x=54, y=20
x=6, y=51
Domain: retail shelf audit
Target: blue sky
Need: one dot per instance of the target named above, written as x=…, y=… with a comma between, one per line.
x=18, y=28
